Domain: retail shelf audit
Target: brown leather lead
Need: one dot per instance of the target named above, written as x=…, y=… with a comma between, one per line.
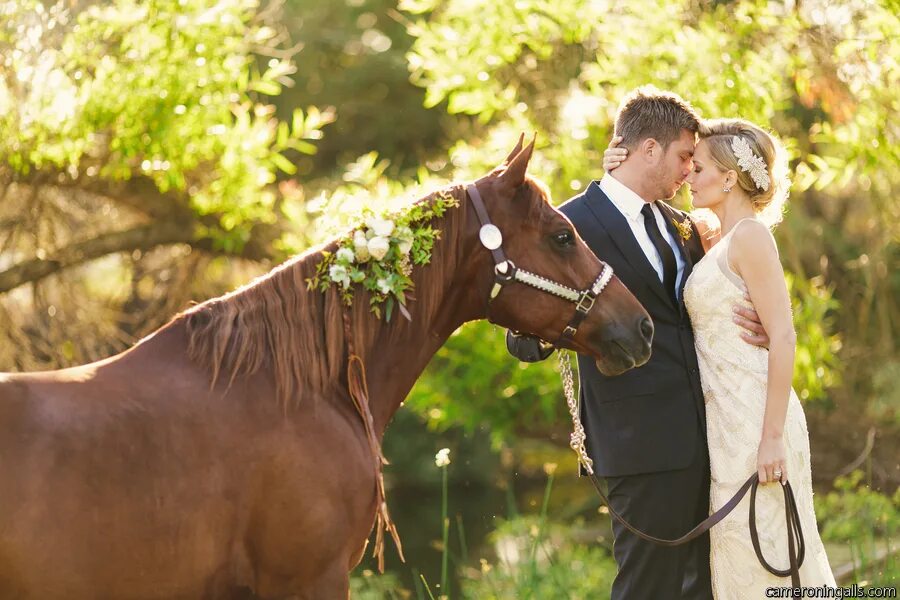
x=792, y=518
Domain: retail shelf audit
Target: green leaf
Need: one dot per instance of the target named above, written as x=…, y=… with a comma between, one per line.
x=270, y=88
x=284, y=164
x=389, y=308
x=297, y=122
x=304, y=147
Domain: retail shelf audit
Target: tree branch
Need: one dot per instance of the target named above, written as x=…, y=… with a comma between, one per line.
x=173, y=222
x=138, y=193
x=144, y=237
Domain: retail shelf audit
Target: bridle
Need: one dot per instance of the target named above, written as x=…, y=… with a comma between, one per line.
x=506, y=272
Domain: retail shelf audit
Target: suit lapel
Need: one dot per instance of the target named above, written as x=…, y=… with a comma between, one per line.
x=615, y=225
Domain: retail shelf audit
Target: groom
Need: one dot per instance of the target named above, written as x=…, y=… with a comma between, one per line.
x=646, y=428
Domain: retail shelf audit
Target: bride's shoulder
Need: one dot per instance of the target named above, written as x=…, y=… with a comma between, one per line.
x=751, y=239
x=751, y=230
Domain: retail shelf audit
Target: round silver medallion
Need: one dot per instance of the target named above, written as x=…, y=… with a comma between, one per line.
x=490, y=236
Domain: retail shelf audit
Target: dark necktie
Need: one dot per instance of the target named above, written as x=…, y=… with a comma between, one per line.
x=670, y=267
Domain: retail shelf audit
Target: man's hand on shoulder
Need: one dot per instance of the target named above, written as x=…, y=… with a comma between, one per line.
x=527, y=348
x=707, y=228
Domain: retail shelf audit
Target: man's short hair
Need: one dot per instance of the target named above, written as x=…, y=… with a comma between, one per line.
x=650, y=113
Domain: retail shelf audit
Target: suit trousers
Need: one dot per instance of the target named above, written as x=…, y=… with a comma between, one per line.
x=667, y=505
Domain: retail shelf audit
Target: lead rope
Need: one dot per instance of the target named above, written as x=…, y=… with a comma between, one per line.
x=796, y=545
x=577, y=438
x=359, y=392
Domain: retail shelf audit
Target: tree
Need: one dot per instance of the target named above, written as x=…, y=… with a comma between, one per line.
x=132, y=126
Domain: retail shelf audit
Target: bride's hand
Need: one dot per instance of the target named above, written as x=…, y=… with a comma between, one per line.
x=771, y=458
x=613, y=155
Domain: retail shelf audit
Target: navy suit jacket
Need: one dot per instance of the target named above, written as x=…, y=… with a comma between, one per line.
x=651, y=418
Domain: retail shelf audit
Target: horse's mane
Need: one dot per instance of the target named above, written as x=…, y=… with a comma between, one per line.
x=276, y=323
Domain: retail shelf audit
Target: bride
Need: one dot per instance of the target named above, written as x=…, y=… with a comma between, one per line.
x=754, y=419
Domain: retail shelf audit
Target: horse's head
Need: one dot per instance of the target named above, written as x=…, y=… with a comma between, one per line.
x=575, y=302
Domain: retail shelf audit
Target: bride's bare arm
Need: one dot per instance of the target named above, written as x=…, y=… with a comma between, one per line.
x=754, y=256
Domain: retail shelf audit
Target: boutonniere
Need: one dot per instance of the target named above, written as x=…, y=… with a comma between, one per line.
x=683, y=228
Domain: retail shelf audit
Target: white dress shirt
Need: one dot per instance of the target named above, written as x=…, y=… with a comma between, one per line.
x=630, y=204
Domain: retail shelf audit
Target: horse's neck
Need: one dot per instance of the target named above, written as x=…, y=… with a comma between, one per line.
x=397, y=357
x=395, y=365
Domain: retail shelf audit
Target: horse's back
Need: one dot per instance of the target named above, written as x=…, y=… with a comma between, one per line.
x=108, y=485
x=13, y=398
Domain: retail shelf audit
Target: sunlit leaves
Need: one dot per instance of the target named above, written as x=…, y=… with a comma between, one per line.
x=166, y=89
x=816, y=364
x=822, y=76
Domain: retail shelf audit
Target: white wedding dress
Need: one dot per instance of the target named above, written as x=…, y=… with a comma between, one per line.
x=734, y=379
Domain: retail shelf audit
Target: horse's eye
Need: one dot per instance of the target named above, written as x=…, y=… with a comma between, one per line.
x=564, y=239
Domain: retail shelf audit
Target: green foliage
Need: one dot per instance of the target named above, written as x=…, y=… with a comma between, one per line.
x=816, y=367
x=472, y=380
x=865, y=520
x=535, y=555
x=353, y=58
x=167, y=90
x=561, y=569
x=885, y=404
x=372, y=586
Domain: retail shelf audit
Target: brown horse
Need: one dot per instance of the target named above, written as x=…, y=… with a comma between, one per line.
x=135, y=478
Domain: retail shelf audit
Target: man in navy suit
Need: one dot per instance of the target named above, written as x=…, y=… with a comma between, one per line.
x=646, y=428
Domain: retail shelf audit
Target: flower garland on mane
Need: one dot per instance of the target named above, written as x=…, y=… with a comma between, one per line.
x=379, y=255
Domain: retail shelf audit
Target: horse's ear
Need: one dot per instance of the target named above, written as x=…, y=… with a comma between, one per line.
x=515, y=150
x=514, y=175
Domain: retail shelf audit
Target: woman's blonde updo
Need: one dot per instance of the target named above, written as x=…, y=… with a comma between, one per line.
x=719, y=133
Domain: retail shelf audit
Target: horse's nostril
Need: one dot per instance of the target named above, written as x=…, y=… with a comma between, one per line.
x=647, y=329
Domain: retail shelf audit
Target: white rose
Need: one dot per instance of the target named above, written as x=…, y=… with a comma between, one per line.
x=345, y=255
x=361, y=245
x=378, y=247
x=383, y=227
x=339, y=274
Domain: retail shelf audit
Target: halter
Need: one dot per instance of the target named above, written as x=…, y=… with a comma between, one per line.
x=505, y=272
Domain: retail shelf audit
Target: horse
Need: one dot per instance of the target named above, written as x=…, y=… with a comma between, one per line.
x=226, y=455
